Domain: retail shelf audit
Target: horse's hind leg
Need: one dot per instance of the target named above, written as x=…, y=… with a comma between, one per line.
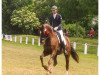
x=55, y=60
x=67, y=62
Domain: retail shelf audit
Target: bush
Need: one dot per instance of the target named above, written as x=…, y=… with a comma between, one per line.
x=75, y=30
x=25, y=19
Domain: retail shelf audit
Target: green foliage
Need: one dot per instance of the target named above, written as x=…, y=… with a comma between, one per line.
x=43, y=9
x=75, y=30
x=24, y=19
x=72, y=11
x=88, y=22
x=89, y=6
x=8, y=6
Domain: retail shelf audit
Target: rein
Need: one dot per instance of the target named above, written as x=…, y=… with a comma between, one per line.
x=46, y=38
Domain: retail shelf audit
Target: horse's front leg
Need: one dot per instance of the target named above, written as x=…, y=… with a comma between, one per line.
x=41, y=58
x=51, y=62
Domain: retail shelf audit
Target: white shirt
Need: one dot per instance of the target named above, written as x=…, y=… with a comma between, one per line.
x=54, y=15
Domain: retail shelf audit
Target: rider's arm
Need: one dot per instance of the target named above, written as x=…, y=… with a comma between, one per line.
x=59, y=19
x=50, y=20
x=59, y=23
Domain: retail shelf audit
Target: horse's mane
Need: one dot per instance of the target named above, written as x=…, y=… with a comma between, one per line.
x=48, y=27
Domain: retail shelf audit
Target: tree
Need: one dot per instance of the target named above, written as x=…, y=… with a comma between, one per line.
x=71, y=10
x=25, y=19
x=8, y=6
x=43, y=8
x=74, y=10
x=75, y=30
x=90, y=7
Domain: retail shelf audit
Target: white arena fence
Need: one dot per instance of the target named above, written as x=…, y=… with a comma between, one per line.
x=75, y=45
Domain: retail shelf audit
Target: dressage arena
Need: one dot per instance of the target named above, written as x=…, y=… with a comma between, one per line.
x=24, y=59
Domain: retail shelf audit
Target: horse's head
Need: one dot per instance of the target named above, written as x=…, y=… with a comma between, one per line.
x=47, y=29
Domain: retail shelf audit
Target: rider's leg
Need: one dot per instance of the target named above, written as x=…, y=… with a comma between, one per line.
x=63, y=40
x=62, y=37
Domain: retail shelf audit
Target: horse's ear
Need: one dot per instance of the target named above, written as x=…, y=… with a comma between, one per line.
x=46, y=21
x=42, y=26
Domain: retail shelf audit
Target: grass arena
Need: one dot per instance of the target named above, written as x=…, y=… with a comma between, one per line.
x=24, y=59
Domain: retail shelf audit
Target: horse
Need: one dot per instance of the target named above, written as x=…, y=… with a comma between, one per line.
x=52, y=47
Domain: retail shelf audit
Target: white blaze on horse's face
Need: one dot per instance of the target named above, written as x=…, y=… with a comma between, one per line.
x=45, y=29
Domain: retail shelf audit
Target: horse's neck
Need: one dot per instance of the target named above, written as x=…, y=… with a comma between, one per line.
x=52, y=34
x=49, y=38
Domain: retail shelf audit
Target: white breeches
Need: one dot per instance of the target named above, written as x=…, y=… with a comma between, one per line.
x=62, y=36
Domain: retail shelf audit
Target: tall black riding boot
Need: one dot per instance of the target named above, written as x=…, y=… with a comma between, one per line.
x=64, y=48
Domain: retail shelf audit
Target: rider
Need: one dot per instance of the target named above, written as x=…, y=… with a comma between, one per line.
x=55, y=22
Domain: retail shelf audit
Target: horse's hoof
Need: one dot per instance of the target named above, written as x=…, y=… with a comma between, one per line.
x=45, y=67
x=66, y=72
x=55, y=64
x=47, y=73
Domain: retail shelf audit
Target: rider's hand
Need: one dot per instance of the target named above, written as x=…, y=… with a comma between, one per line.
x=55, y=28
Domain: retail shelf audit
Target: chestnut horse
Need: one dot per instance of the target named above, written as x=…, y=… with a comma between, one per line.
x=52, y=47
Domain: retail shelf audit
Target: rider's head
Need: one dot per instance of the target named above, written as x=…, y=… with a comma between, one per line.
x=54, y=9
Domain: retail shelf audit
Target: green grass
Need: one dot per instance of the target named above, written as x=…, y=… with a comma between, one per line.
x=84, y=40
x=22, y=59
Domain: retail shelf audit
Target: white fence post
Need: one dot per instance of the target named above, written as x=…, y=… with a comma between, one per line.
x=74, y=45
x=38, y=41
x=20, y=39
x=26, y=40
x=10, y=37
x=15, y=38
x=5, y=37
x=32, y=41
x=85, y=48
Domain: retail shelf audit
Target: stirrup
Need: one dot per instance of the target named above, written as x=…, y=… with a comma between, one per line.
x=64, y=48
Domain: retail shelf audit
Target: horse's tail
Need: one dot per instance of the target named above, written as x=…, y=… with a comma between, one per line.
x=74, y=55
